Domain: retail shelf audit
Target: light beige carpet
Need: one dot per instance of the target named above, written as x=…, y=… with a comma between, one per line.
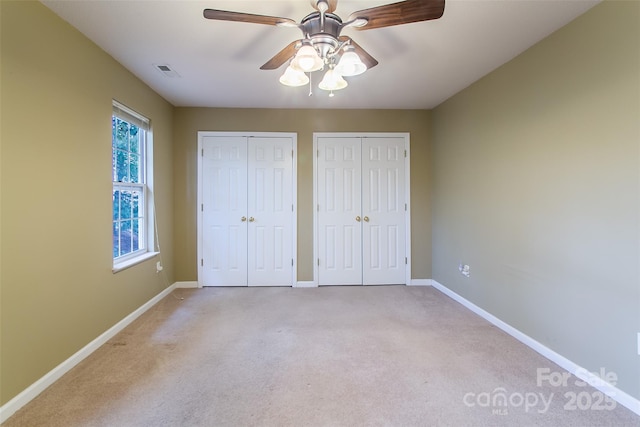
x=339, y=356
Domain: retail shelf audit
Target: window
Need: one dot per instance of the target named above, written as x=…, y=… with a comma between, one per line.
x=131, y=209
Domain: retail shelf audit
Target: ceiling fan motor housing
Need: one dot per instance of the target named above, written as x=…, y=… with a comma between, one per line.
x=323, y=33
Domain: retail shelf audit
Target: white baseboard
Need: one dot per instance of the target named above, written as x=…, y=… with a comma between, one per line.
x=40, y=385
x=616, y=394
x=413, y=282
x=186, y=285
x=420, y=282
x=305, y=284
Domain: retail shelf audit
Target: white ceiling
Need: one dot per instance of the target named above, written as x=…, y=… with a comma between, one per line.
x=420, y=64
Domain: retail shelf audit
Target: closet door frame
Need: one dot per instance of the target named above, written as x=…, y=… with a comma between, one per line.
x=294, y=194
x=406, y=137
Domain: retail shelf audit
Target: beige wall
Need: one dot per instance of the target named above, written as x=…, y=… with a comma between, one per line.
x=536, y=187
x=57, y=289
x=304, y=122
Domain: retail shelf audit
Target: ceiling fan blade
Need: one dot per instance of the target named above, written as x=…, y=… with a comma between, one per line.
x=367, y=59
x=281, y=57
x=402, y=12
x=223, y=15
x=331, y=3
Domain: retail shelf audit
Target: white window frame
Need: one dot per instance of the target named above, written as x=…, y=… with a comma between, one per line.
x=146, y=231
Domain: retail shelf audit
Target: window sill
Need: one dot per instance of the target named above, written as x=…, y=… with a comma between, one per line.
x=133, y=261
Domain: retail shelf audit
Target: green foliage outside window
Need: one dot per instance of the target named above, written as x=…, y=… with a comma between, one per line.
x=128, y=200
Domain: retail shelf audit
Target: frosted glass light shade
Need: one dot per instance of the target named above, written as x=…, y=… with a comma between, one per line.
x=293, y=77
x=332, y=81
x=307, y=59
x=350, y=64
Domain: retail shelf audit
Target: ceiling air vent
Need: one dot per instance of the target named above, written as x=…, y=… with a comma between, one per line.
x=166, y=70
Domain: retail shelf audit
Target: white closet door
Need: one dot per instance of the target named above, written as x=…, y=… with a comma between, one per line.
x=383, y=211
x=338, y=210
x=270, y=211
x=224, y=205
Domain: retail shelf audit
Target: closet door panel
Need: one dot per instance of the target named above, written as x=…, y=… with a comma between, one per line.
x=270, y=210
x=224, y=204
x=383, y=210
x=338, y=210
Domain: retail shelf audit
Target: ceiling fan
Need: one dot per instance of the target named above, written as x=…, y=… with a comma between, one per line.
x=323, y=46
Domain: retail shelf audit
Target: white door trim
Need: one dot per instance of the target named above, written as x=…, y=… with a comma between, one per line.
x=294, y=183
x=407, y=144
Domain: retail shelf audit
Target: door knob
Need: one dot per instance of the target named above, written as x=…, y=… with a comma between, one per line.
x=251, y=219
x=243, y=219
x=366, y=219
x=358, y=218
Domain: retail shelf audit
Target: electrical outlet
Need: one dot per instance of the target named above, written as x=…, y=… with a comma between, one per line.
x=464, y=270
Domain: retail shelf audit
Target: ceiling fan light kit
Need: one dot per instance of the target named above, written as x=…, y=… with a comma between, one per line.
x=323, y=46
x=307, y=59
x=332, y=81
x=294, y=77
x=350, y=63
